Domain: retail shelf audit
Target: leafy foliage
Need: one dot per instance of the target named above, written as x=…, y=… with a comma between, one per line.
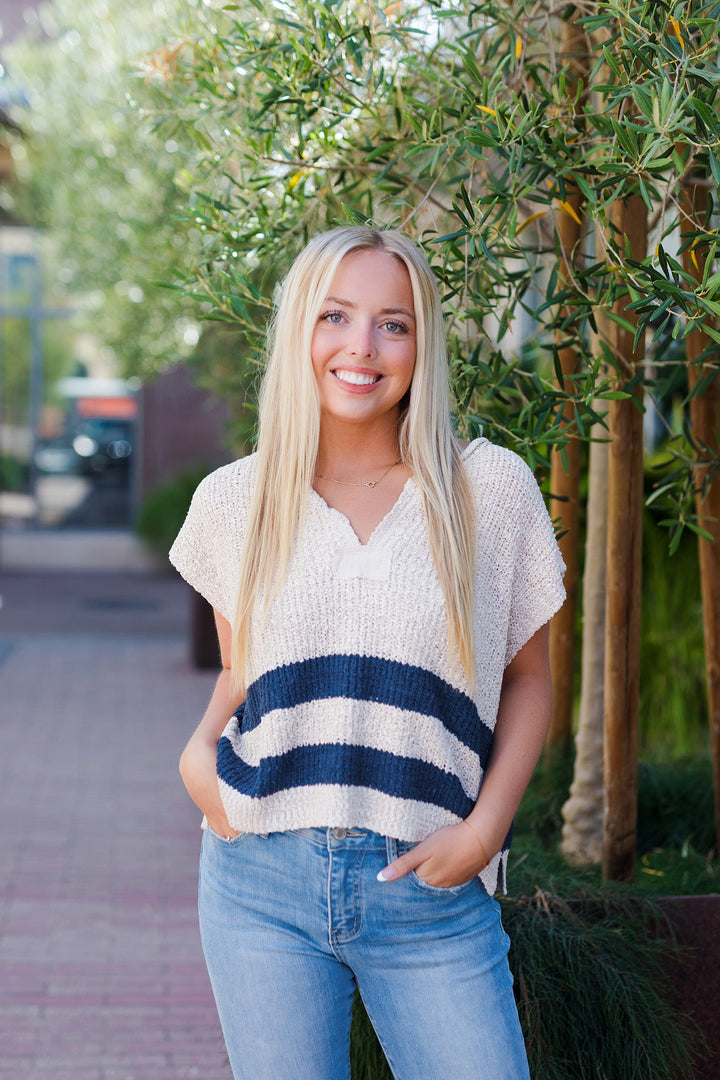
x=676, y=846
x=58, y=360
x=89, y=174
x=467, y=125
x=673, y=697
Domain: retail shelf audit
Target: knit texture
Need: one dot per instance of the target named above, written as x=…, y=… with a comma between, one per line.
x=357, y=714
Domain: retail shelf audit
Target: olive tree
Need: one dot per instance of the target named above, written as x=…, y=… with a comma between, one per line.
x=548, y=158
x=478, y=128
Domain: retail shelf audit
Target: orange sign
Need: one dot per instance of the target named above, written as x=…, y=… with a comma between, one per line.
x=108, y=408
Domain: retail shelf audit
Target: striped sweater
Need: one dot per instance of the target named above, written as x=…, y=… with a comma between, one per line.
x=357, y=714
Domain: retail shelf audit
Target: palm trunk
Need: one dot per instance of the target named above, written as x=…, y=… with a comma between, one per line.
x=582, y=833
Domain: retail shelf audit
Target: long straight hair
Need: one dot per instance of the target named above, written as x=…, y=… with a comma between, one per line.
x=289, y=428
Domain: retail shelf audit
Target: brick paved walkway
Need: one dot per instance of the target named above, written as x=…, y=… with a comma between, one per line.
x=102, y=977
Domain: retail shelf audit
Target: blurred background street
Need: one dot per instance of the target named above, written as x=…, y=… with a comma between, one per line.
x=103, y=436
x=102, y=973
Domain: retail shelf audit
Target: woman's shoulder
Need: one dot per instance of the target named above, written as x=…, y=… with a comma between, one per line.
x=232, y=480
x=489, y=465
x=224, y=495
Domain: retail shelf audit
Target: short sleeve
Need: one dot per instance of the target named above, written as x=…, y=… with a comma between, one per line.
x=537, y=590
x=206, y=551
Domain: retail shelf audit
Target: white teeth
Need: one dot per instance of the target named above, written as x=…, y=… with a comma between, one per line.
x=357, y=378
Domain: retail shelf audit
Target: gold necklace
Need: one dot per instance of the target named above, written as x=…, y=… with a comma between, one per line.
x=359, y=483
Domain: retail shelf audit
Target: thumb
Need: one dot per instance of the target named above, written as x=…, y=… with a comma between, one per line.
x=400, y=867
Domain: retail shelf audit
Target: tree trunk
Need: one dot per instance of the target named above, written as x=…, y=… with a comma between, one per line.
x=624, y=568
x=582, y=834
x=565, y=475
x=705, y=426
x=564, y=510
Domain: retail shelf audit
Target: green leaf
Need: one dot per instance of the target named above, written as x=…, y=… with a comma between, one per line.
x=711, y=332
x=713, y=282
x=611, y=62
x=711, y=306
x=354, y=216
x=645, y=194
x=693, y=527
x=621, y=321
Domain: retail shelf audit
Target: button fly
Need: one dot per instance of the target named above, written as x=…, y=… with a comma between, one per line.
x=339, y=834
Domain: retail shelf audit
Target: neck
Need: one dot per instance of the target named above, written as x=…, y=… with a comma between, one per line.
x=357, y=451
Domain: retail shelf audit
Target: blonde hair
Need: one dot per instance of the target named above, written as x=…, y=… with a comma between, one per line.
x=289, y=428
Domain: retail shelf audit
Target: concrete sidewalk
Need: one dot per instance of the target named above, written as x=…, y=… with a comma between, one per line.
x=102, y=976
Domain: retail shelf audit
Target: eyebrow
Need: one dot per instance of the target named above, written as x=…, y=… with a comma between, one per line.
x=383, y=311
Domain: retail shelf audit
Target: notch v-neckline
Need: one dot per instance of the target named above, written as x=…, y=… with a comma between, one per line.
x=333, y=514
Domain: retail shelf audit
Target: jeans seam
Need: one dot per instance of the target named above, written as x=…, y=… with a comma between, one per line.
x=331, y=935
x=336, y=942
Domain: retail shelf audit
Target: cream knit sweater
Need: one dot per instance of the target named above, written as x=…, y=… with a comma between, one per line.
x=356, y=714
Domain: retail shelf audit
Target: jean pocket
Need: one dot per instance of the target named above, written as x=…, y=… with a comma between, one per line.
x=438, y=890
x=402, y=847
x=227, y=841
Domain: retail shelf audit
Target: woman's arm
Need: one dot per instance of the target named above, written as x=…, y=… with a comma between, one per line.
x=453, y=855
x=198, y=763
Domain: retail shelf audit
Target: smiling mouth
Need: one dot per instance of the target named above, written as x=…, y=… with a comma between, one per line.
x=356, y=378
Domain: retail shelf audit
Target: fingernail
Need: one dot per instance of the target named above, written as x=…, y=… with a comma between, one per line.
x=388, y=874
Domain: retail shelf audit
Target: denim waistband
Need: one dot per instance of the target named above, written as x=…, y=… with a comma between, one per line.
x=336, y=836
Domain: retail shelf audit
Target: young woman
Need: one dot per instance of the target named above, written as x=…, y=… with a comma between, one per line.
x=382, y=594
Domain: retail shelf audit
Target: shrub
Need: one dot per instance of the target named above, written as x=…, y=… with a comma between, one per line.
x=592, y=989
x=163, y=510
x=14, y=473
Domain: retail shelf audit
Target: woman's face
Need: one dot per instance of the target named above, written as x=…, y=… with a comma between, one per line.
x=364, y=343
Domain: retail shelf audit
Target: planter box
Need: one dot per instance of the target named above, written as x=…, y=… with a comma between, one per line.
x=697, y=979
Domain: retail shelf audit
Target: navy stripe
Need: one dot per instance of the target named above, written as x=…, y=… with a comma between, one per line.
x=349, y=766
x=367, y=678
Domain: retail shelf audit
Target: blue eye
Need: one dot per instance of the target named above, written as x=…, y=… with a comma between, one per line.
x=332, y=317
x=396, y=327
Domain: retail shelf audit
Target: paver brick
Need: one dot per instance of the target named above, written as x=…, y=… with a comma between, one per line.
x=101, y=973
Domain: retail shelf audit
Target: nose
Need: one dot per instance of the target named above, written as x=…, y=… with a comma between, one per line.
x=361, y=339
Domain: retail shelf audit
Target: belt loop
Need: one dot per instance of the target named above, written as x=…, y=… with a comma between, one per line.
x=391, y=848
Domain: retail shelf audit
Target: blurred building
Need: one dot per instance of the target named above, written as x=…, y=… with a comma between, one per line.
x=85, y=451
x=181, y=428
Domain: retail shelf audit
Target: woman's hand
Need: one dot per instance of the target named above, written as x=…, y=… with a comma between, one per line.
x=450, y=856
x=199, y=775
x=221, y=827
x=198, y=764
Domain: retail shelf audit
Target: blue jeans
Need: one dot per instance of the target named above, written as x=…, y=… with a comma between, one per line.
x=292, y=922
